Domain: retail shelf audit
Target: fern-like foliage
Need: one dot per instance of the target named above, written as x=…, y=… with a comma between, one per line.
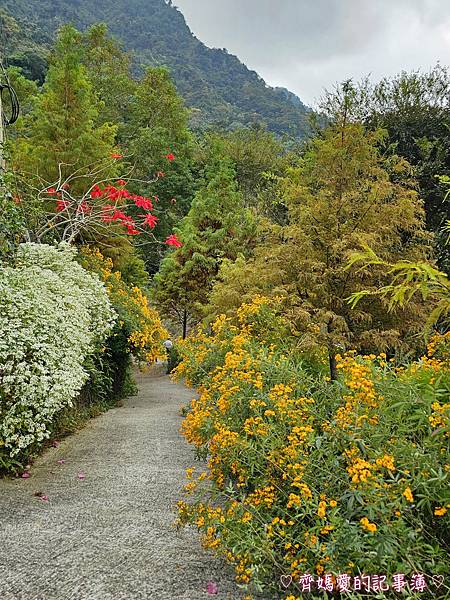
x=408, y=279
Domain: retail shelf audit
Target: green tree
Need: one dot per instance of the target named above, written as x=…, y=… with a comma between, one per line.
x=60, y=136
x=217, y=227
x=346, y=194
x=157, y=128
x=109, y=70
x=414, y=108
x=254, y=152
x=157, y=123
x=260, y=160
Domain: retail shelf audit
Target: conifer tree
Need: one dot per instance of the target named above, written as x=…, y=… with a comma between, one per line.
x=109, y=70
x=61, y=134
x=344, y=195
x=217, y=227
x=414, y=108
x=160, y=145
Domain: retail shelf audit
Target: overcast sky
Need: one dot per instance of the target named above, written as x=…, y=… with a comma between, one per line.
x=308, y=45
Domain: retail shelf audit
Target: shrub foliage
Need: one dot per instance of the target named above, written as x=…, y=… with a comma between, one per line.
x=53, y=316
x=307, y=476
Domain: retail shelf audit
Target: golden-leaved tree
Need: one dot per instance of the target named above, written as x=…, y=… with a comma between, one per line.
x=344, y=194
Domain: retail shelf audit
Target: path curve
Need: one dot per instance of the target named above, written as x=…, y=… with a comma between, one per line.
x=110, y=536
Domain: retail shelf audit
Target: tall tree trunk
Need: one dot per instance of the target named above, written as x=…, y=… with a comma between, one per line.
x=331, y=352
x=184, y=324
x=332, y=362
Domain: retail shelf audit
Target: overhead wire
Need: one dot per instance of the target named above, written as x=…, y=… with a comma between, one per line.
x=13, y=100
x=7, y=92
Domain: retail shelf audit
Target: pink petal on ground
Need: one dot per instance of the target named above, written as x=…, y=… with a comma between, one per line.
x=212, y=588
x=25, y=475
x=44, y=497
x=81, y=476
x=61, y=461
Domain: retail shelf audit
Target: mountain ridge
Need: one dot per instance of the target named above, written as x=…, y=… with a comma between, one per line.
x=221, y=90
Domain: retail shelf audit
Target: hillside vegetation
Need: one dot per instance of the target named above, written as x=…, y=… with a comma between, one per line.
x=218, y=87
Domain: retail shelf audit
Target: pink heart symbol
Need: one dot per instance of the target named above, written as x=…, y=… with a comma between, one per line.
x=286, y=580
x=437, y=580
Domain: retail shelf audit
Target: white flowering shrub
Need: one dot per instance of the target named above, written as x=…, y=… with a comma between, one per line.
x=53, y=315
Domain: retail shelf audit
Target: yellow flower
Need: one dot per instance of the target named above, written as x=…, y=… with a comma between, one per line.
x=440, y=511
x=294, y=500
x=360, y=470
x=408, y=494
x=326, y=530
x=387, y=462
x=322, y=509
x=269, y=413
x=190, y=487
x=367, y=525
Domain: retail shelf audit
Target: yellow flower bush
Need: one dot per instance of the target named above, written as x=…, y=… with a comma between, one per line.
x=304, y=476
x=139, y=326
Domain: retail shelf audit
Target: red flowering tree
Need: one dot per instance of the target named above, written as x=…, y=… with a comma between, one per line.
x=105, y=209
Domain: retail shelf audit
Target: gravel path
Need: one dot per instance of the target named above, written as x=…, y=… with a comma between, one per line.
x=110, y=536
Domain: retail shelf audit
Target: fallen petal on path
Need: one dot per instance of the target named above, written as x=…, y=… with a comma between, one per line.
x=212, y=588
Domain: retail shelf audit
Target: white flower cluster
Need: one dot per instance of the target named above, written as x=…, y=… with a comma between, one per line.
x=53, y=314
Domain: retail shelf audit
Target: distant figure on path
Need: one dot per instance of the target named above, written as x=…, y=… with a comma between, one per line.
x=168, y=345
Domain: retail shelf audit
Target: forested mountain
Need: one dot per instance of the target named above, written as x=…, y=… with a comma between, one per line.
x=217, y=87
